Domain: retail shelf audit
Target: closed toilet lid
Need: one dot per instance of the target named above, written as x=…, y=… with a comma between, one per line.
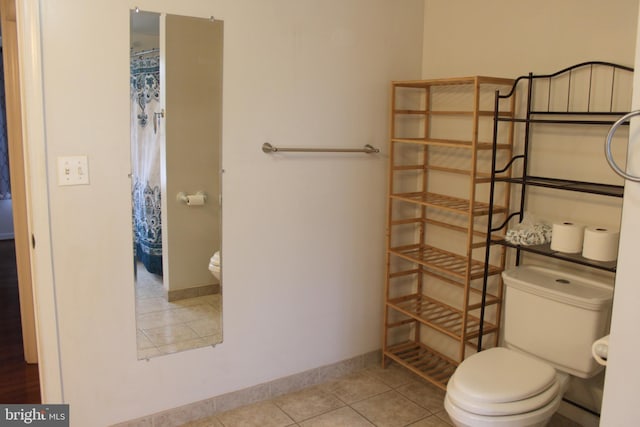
x=548, y=397
x=500, y=375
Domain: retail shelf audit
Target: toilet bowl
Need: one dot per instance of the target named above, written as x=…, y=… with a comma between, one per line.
x=214, y=265
x=551, y=318
x=526, y=391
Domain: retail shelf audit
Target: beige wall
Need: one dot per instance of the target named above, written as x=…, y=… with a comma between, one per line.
x=303, y=235
x=192, y=152
x=509, y=38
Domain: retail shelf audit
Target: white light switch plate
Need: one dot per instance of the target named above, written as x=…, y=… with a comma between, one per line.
x=73, y=170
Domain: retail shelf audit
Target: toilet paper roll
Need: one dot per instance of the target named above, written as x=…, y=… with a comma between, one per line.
x=600, y=350
x=567, y=237
x=195, y=200
x=600, y=244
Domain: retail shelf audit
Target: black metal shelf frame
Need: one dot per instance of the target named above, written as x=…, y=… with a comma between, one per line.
x=566, y=116
x=567, y=184
x=546, y=250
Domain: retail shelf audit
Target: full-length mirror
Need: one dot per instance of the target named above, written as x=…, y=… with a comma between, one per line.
x=176, y=137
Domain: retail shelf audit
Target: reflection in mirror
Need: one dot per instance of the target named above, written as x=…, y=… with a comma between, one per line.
x=176, y=120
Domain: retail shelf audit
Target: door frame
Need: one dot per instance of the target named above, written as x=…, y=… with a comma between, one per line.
x=8, y=24
x=30, y=56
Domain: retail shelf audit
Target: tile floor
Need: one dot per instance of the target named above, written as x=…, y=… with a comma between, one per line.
x=168, y=327
x=391, y=397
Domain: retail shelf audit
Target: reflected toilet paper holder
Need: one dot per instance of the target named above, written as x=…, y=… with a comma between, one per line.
x=197, y=199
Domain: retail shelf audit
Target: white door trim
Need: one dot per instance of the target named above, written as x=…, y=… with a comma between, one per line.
x=34, y=133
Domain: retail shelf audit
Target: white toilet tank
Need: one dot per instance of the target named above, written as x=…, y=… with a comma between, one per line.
x=556, y=316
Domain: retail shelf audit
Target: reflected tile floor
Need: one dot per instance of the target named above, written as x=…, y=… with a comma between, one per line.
x=391, y=397
x=168, y=327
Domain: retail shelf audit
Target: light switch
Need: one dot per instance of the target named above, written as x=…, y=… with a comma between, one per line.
x=73, y=170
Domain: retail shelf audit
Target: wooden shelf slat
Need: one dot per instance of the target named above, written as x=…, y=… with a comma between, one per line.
x=453, y=81
x=452, y=143
x=483, y=113
x=423, y=361
x=439, y=316
x=448, y=203
x=491, y=299
x=445, y=262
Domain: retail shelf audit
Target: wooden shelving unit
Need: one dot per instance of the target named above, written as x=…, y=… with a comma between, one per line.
x=440, y=164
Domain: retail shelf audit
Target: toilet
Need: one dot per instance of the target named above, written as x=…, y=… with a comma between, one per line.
x=214, y=265
x=551, y=319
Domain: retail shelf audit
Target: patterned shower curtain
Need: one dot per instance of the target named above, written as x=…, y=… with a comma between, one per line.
x=145, y=154
x=5, y=182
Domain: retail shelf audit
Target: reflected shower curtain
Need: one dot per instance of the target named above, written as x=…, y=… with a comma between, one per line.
x=145, y=155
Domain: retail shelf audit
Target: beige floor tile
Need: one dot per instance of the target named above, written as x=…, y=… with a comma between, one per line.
x=205, y=327
x=431, y=421
x=393, y=375
x=149, y=291
x=147, y=284
x=263, y=414
x=390, y=397
x=205, y=422
x=212, y=339
x=390, y=409
x=194, y=312
x=148, y=353
x=170, y=334
x=182, y=346
x=144, y=342
x=188, y=302
x=561, y=421
x=343, y=417
x=415, y=403
x=444, y=416
x=157, y=319
x=169, y=327
x=424, y=394
x=355, y=387
x=213, y=299
x=151, y=304
x=307, y=403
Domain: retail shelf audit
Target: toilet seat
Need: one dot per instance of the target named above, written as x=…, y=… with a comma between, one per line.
x=214, y=265
x=504, y=408
x=537, y=418
x=502, y=382
x=215, y=259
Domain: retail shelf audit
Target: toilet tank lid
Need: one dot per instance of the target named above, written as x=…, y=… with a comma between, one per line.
x=562, y=286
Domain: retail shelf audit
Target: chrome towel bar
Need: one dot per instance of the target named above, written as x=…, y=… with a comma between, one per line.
x=369, y=149
x=607, y=147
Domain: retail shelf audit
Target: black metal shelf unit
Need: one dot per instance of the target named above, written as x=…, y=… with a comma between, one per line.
x=570, y=100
